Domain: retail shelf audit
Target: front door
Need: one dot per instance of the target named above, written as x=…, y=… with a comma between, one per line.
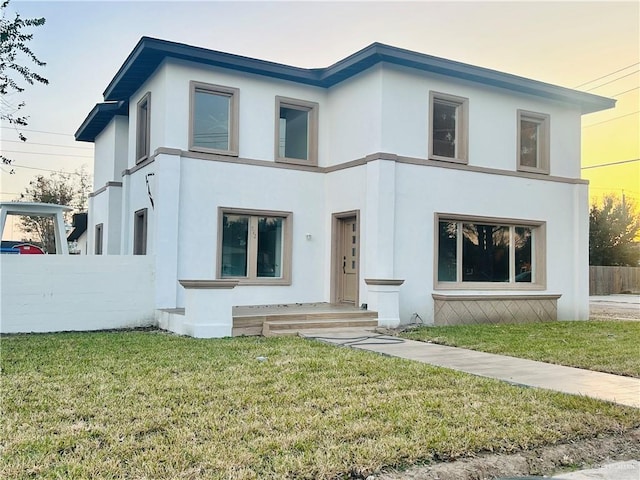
x=347, y=254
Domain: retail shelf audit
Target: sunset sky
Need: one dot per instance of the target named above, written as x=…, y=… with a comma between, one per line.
x=594, y=46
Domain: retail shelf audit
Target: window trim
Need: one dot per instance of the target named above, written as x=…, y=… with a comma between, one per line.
x=98, y=239
x=287, y=249
x=312, y=133
x=462, y=127
x=544, y=121
x=234, y=116
x=143, y=149
x=539, y=253
x=140, y=237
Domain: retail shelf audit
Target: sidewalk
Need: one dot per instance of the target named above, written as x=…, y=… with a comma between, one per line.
x=519, y=371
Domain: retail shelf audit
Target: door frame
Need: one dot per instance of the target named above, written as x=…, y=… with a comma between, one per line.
x=337, y=233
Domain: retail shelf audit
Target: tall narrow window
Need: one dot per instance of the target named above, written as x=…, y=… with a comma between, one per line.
x=255, y=246
x=296, y=131
x=448, y=116
x=533, y=142
x=140, y=232
x=143, y=128
x=214, y=119
x=481, y=253
x=98, y=239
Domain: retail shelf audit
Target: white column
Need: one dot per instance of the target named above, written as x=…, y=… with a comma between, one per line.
x=380, y=219
x=208, y=308
x=384, y=297
x=166, y=169
x=62, y=248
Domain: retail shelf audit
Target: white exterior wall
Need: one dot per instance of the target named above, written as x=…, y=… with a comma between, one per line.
x=111, y=152
x=492, y=121
x=384, y=109
x=45, y=293
x=424, y=191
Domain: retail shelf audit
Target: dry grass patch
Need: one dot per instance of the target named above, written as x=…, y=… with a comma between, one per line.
x=152, y=405
x=603, y=346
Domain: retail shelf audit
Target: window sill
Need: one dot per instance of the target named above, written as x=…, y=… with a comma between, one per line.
x=489, y=286
x=297, y=161
x=540, y=171
x=213, y=151
x=261, y=282
x=438, y=158
x=142, y=159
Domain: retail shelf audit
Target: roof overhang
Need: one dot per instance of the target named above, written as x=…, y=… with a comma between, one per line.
x=150, y=52
x=98, y=118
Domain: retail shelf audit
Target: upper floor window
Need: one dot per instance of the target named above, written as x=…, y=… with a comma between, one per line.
x=255, y=246
x=533, y=142
x=489, y=253
x=296, y=131
x=448, y=116
x=143, y=131
x=213, y=126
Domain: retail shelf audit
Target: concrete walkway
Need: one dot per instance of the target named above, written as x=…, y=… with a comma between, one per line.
x=576, y=381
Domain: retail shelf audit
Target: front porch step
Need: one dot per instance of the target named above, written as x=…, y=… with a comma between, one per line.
x=253, y=320
x=272, y=328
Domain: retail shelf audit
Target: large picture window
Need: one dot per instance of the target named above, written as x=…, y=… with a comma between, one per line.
x=448, y=116
x=296, y=131
x=213, y=127
x=489, y=253
x=255, y=246
x=533, y=142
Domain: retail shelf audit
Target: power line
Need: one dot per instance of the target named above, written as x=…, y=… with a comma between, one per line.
x=41, y=153
x=607, y=75
x=611, y=81
x=612, y=163
x=626, y=91
x=47, y=144
x=39, y=131
x=611, y=119
x=45, y=170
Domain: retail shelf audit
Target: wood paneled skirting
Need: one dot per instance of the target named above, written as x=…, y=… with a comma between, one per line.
x=472, y=309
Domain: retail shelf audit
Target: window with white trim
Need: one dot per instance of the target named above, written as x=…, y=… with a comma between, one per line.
x=448, y=136
x=489, y=253
x=533, y=142
x=213, y=125
x=255, y=246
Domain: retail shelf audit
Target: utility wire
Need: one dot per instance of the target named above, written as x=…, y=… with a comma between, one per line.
x=38, y=131
x=607, y=75
x=614, y=80
x=611, y=163
x=45, y=170
x=611, y=119
x=44, y=153
x=626, y=91
x=58, y=145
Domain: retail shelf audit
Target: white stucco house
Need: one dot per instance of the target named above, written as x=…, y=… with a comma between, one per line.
x=415, y=185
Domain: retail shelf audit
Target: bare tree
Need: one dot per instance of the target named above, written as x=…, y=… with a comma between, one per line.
x=15, y=55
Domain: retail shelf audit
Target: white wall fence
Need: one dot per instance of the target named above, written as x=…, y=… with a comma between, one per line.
x=51, y=293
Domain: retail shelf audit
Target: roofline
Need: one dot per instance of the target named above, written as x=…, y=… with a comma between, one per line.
x=97, y=119
x=150, y=52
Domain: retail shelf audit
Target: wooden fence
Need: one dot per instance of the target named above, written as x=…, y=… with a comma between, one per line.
x=612, y=280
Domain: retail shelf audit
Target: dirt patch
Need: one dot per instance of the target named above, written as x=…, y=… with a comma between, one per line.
x=612, y=312
x=540, y=461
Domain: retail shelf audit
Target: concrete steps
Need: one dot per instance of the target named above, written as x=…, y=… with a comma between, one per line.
x=289, y=320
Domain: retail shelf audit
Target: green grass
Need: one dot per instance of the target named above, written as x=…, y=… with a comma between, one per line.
x=149, y=405
x=604, y=346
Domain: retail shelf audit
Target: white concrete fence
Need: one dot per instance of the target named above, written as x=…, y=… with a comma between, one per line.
x=47, y=293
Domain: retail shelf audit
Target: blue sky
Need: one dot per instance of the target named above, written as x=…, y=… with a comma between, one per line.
x=85, y=42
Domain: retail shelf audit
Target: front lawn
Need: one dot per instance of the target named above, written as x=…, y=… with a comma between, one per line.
x=605, y=346
x=150, y=405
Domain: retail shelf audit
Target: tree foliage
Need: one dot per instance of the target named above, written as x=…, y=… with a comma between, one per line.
x=70, y=189
x=613, y=226
x=15, y=55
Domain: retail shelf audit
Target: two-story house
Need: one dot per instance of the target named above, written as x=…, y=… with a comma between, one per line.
x=454, y=187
